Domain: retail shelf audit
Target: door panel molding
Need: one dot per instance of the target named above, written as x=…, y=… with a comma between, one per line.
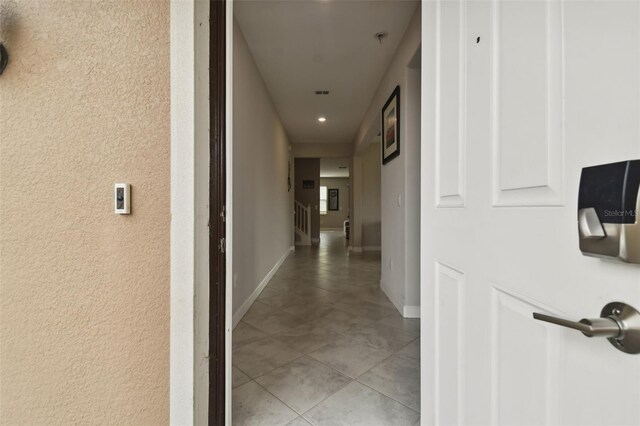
x=449, y=339
x=527, y=134
x=451, y=101
x=530, y=65
x=514, y=337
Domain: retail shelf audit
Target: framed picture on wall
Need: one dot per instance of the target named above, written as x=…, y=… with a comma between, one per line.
x=334, y=199
x=391, y=127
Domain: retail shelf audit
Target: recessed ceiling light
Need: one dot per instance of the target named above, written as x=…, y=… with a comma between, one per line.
x=322, y=119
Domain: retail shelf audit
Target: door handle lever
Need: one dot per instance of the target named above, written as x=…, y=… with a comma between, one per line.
x=618, y=322
x=605, y=327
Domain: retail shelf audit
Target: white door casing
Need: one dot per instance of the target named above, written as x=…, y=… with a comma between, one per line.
x=518, y=97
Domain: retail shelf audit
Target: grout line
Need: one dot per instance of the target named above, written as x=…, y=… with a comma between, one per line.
x=393, y=354
x=315, y=263
x=243, y=372
x=274, y=369
x=287, y=405
x=315, y=405
x=329, y=396
x=333, y=368
x=387, y=396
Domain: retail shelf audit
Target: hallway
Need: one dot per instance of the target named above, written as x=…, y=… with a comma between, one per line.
x=324, y=345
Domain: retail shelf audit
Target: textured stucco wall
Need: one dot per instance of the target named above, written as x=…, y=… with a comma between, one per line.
x=84, y=293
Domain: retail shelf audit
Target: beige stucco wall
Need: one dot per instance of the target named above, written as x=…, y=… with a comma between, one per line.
x=84, y=293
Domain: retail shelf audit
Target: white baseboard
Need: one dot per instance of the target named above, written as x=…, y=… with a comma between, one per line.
x=411, y=311
x=407, y=311
x=355, y=249
x=315, y=241
x=247, y=303
x=330, y=229
x=301, y=243
x=371, y=248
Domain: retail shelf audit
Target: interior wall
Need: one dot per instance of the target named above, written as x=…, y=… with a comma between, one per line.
x=335, y=219
x=84, y=293
x=263, y=206
x=355, y=220
x=399, y=192
x=309, y=169
x=412, y=176
x=371, y=196
x=322, y=150
x=352, y=209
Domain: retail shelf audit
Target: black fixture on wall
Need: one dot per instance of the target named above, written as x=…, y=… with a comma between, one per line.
x=4, y=58
x=9, y=30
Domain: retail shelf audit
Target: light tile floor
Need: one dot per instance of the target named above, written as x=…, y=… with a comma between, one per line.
x=323, y=345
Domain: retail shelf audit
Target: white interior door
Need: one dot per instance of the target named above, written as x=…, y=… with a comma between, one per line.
x=518, y=97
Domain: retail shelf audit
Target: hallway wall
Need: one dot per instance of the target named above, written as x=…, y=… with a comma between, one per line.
x=309, y=169
x=263, y=207
x=322, y=150
x=371, y=186
x=84, y=294
x=400, y=178
x=335, y=219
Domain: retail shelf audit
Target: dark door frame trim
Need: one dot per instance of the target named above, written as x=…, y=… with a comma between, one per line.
x=217, y=201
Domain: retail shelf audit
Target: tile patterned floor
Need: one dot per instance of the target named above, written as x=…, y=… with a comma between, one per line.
x=323, y=345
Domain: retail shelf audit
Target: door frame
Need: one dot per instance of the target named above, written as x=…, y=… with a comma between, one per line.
x=217, y=212
x=427, y=49
x=190, y=50
x=200, y=38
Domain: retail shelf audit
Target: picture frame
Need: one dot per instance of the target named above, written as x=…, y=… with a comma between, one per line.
x=390, y=132
x=333, y=199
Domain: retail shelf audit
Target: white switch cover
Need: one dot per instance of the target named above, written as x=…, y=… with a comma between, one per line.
x=399, y=200
x=122, y=198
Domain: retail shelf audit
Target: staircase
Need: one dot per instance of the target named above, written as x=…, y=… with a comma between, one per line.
x=302, y=224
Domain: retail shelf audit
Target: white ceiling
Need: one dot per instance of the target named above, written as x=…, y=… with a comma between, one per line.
x=301, y=46
x=334, y=167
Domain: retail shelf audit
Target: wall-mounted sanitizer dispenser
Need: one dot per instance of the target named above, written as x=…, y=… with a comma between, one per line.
x=608, y=207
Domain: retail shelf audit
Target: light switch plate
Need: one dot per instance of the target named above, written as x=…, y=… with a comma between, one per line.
x=122, y=198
